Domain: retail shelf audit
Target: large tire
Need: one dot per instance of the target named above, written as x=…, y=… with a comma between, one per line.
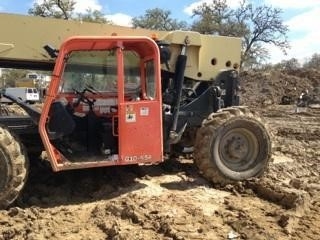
x=14, y=166
x=232, y=145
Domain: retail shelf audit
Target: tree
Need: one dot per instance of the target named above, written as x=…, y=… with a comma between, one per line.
x=289, y=65
x=217, y=18
x=93, y=16
x=256, y=58
x=257, y=26
x=158, y=19
x=9, y=76
x=65, y=9
x=313, y=62
x=53, y=8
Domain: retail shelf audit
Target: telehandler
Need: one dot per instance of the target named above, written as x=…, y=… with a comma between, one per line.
x=127, y=97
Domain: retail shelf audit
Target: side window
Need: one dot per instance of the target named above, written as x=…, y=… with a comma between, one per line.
x=150, y=79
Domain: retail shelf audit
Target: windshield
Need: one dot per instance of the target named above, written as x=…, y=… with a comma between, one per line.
x=98, y=69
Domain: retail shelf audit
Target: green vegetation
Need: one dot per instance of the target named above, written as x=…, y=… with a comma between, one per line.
x=158, y=19
x=65, y=10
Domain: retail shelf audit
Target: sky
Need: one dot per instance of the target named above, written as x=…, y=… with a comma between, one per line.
x=301, y=16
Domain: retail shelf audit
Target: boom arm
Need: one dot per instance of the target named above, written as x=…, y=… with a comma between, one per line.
x=21, y=44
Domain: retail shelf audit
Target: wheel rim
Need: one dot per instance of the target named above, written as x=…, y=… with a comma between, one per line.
x=238, y=149
x=4, y=170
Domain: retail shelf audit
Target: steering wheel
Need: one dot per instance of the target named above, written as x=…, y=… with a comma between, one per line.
x=83, y=98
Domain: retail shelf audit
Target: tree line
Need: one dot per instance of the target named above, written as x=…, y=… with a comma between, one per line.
x=258, y=26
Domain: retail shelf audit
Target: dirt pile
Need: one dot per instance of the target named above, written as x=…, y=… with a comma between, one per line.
x=261, y=88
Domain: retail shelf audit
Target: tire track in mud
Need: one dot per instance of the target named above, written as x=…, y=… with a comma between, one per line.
x=293, y=179
x=173, y=206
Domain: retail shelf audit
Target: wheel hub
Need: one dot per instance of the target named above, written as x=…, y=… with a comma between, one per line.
x=236, y=147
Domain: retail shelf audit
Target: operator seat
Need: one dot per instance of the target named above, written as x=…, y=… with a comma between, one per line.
x=60, y=123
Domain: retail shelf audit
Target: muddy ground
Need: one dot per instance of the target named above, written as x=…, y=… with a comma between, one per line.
x=172, y=200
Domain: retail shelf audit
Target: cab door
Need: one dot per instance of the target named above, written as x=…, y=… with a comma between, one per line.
x=140, y=119
x=140, y=135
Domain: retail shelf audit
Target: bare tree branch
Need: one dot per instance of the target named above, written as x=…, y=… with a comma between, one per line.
x=255, y=25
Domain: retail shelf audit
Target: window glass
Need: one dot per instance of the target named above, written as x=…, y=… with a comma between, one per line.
x=98, y=69
x=150, y=79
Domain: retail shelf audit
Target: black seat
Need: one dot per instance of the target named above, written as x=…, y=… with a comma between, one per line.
x=60, y=123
